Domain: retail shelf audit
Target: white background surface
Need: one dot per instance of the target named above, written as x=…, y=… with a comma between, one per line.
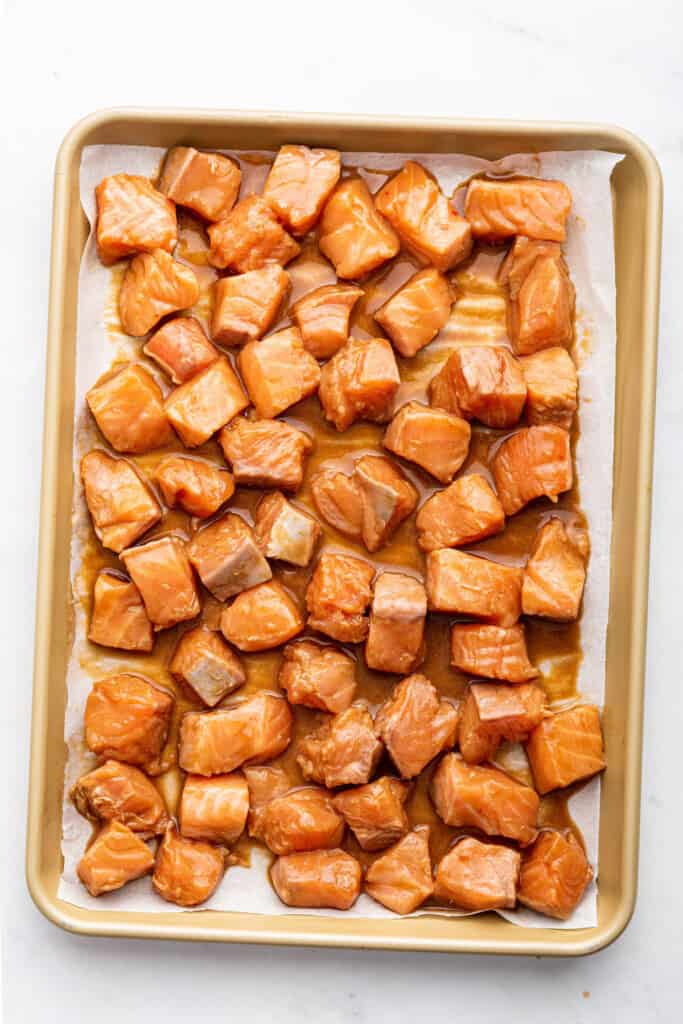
x=603, y=61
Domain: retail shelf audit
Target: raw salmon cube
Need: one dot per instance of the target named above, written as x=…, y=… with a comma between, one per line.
x=257, y=728
x=465, y=512
x=181, y=348
x=126, y=718
x=121, y=506
x=250, y=237
x=353, y=235
x=478, y=876
x=387, y=498
x=284, y=531
x=154, y=285
x=187, y=872
x=541, y=296
x=162, y=573
x=337, y=498
x=533, y=463
x=265, y=782
x=278, y=372
x=401, y=878
x=132, y=216
x=206, y=403
x=359, y=382
x=342, y=752
x=205, y=663
x=434, y=439
x=129, y=410
x=416, y=724
x=397, y=623
x=493, y=712
x=468, y=585
x=244, y=306
x=227, y=557
x=266, y=453
x=198, y=487
x=299, y=184
x=375, y=812
x=533, y=207
x=262, y=618
x=214, y=809
x=119, y=792
x=566, y=747
x=555, y=575
x=207, y=183
x=317, y=676
x=116, y=856
x=552, y=385
x=521, y=257
x=415, y=314
x=321, y=878
x=338, y=596
x=554, y=876
x=492, y=652
x=323, y=315
x=303, y=819
x=118, y=615
x=482, y=382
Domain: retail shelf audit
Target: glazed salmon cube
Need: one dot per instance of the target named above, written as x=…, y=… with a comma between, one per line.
x=555, y=874
x=187, y=872
x=118, y=615
x=552, y=386
x=375, y=812
x=214, y=809
x=227, y=557
x=317, y=676
x=493, y=712
x=468, y=585
x=566, y=747
x=465, y=512
x=163, y=574
x=344, y=751
x=205, y=663
x=244, y=306
x=299, y=184
x=127, y=719
x=265, y=782
x=321, y=878
x=533, y=207
x=207, y=183
x=433, y=439
x=355, y=238
x=425, y=221
x=387, y=498
x=416, y=724
x=250, y=237
x=121, y=506
x=257, y=728
x=478, y=876
x=284, y=531
x=415, y=314
x=401, y=878
x=181, y=348
x=533, y=463
x=521, y=257
x=303, y=819
x=397, y=624
x=338, y=596
x=132, y=216
x=337, y=498
x=262, y=618
x=154, y=285
x=197, y=487
x=492, y=652
x=323, y=316
x=266, y=453
x=206, y=403
x=541, y=296
x=128, y=407
x=278, y=372
x=119, y=792
x=555, y=575
x=359, y=382
x=116, y=856
x=482, y=382
x=484, y=797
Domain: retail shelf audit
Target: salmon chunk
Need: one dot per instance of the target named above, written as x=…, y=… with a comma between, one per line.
x=337, y=498
x=566, y=747
x=250, y=237
x=204, y=662
x=533, y=207
x=321, y=878
x=116, y=856
x=118, y=615
x=127, y=719
x=214, y=809
x=478, y=876
x=265, y=782
x=207, y=183
x=154, y=285
x=278, y=372
x=433, y=439
x=353, y=235
x=338, y=596
x=323, y=316
x=284, y=531
x=342, y=752
x=484, y=797
x=181, y=348
x=541, y=297
x=262, y=618
x=397, y=624
x=227, y=557
x=492, y=652
x=266, y=453
x=468, y=585
x=552, y=386
x=128, y=407
x=197, y=487
x=119, y=792
x=401, y=878
x=493, y=712
x=416, y=724
x=187, y=872
x=425, y=221
x=303, y=819
x=359, y=382
x=375, y=812
x=132, y=216
x=415, y=314
x=162, y=573
x=466, y=512
x=206, y=403
x=257, y=728
x=533, y=463
x=121, y=506
x=318, y=676
x=244, y=306
x=299, y=184
x=481, y=382
x=555, y=874
x=555, y=575
x=387, y=498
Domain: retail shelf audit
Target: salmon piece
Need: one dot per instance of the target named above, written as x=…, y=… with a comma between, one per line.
x=214, y=809
x=121, y=506
x=401, y=878
x=250, y=237
x=207, y=183
x=318, y=677
x=484, y=797
x=132, y=216
x=162, y=573
x=323, y=316
x=375, y=812
x=416, y=724
x=118, y=615
x=244, y=306
x=468, y=585
x=521, y=257
x=552, y=386
x=128, y=407
x=278, y=372
x=533, y=207
x=187, y=872
x=415, y=314
x=154, y=285
x=344, y=751
x=303, y=819
x=262, y=618
x=541, y=300
x=299, y=184
x=433, y=439
x=116, y=856
x=493, y=712
x=197, y=487
x=534, y=462
x=257, y=728
x=206, y=403
x=265, y=782
x=321, y=878
x=355, y=238
x=127, y=719
x=337, y=498
x=555, y=575
x=338, y=596
x=181, y=348
x=266, y=453
x=492, y=652
x=478, y=876
x=284, y=531
x=387, y=498
x=204, y=662
x=466, y=512
x=566, y=747
x=482, y=382
x=120, y=792
x=227, y=557
x=359, y=382
x=397, y=624
x=555, y=874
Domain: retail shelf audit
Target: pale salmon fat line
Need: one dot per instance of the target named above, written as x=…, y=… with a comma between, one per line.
x=589, y=252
